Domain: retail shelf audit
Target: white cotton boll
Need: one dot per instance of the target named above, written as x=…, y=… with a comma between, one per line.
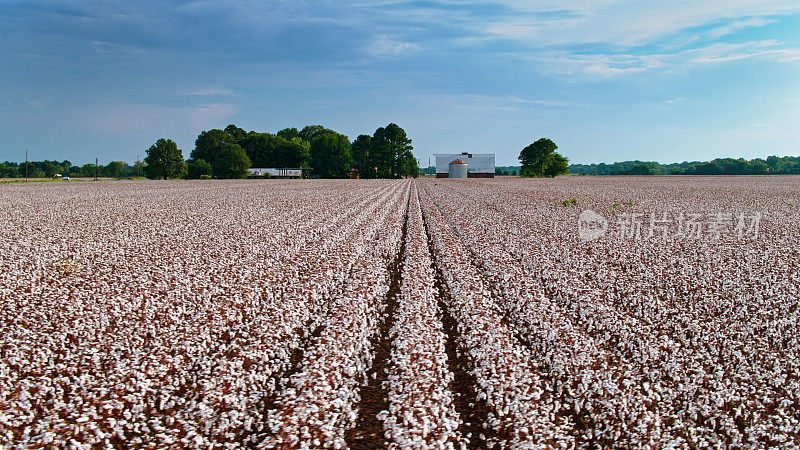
x=150, y=310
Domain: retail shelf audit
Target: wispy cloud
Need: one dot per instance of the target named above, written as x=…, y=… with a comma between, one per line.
x=38, y=102
x=207, y=92
x=211, y=114
x=149, y=119
x=722, y=52
x=619, y=23
x=478, y=102
x=565, y=62
x=383, y=45
x=738, y=25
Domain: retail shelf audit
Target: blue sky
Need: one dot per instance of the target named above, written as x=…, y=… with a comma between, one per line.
x=606, y=80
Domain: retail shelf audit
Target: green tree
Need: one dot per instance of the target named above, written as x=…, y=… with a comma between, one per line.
x=638, y=169
x=236, y=133
x=267, y=150
x=136, y=170
x=289, y=133
x=391, y=152
x=114, y=169
x=293, y=153
x=777, y=164
x=261, y=148
x=88, y=170
x=208, y=144
x=541, y=160
x=230, y=161
x=330, y=155
x=309, y=132
x=759, y=167
x=409, y=166
x=220, y=149
x=708, y=168
x=65, y=167
x=32, y=170
x=361, y=149
x=48, y=168
x=195, y=168
x=534, y=157
x=164, y=160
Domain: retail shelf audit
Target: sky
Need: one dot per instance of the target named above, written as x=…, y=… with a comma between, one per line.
x=607, y=80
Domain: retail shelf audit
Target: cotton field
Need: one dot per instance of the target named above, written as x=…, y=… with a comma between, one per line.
x=576, y=312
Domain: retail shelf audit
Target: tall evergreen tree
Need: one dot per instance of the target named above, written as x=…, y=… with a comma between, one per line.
x=361, y=149
x=330, y=155
x=391, y=147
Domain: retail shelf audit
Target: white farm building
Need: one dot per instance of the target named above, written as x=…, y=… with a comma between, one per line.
x=479, y=165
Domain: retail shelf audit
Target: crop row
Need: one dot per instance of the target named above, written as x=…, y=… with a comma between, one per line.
x=167, y=329
x=407, y=314
x=421, y=410
x=320, y=403
x=507, y=379
x=663, y=358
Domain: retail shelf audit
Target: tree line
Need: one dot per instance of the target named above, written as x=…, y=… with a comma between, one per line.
x=230, y=152
x=721, y=166
x=49, y=169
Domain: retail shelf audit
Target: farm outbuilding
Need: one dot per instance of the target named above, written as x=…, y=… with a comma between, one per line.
x=479, y=165
x=277, y=172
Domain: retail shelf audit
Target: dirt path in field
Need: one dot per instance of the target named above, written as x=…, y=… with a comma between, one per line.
x=474, y=413
x=368, y=432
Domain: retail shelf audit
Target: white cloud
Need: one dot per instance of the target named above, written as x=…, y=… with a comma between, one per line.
x=633, y=37
x=383, y=45
x=737, y=25
x=719, y=53
x=565, y=62
x=628, y=23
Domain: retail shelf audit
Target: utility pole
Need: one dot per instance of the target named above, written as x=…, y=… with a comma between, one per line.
x=96, y=160
x=26, y=164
